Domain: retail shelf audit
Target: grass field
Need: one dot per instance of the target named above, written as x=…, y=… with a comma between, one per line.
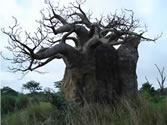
x=140, y=112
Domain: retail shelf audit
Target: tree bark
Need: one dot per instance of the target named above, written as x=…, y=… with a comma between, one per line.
x=103, y=75
x=127, y=61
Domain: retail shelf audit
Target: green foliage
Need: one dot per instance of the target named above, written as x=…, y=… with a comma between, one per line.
x=32, y=86
x=58, y=85
x=37, y=97
x=11, y=104
x=57, y=99
x=32, y=115
x=164, y=91
x=126, y=112
x=21, y=102
x=38, y=112
x=30, y=109
x=7, y=104
x=8, y=91
x=8, y=100
x=151, y=95
x=148, y=89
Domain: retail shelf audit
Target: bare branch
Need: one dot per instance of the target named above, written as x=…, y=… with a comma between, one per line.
x=61, y=48
x=84, y=19
x=62, y=24
x=66, y=35
x=162, y=79
x=60, y=18
x=147, y=79
x=40, y=64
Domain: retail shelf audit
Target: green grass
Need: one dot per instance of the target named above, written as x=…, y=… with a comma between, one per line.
x=126, y=112
x=32, y=115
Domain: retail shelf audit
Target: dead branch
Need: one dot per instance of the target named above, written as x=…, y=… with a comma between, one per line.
x=58, y=26
x=162, y=79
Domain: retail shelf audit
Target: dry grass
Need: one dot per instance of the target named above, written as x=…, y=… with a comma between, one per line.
x=138, y=112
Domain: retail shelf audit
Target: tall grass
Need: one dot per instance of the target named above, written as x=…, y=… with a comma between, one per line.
x=32, y=115
x=126, y=112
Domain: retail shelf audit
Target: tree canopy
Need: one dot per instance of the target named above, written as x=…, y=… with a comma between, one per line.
x=8, y=91
x=32, y=86
x=61, y=25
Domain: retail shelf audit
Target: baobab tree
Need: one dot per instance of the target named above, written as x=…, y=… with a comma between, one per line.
x=95, y=70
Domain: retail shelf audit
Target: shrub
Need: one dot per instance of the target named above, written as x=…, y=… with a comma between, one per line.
x=22, y=102
x=32, y=115
x=7, y=104
x=8, y=91
x=147, y=87
x=56, y=99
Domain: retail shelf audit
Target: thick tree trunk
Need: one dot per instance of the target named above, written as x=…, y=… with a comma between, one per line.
x=128, y=57
x=102, y=76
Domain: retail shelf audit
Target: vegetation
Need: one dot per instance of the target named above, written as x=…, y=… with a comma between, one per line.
x=147, y=88
x=32, y=86
x=85, y=73
x=31, y=115
x=50, y=108
x=8, y=91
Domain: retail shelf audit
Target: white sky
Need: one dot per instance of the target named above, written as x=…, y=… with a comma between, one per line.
x=150, y=12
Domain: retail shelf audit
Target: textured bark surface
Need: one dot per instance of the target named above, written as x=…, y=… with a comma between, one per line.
x=103, y=76
x=95, y=78
x=107, y=74
x=128, y=57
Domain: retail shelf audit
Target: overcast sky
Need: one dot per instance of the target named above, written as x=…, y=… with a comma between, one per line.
x=149, y=12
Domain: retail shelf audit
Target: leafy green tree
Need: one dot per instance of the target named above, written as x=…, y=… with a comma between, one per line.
x=32, y=86
x=147, y=87
x=8, y=91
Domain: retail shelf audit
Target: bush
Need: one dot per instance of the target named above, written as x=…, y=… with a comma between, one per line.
x=22, y=102
x=58, y=100
x=32, y=115
x=8, y=91
x=147, y=87
x=7, y=104
x=37, y=97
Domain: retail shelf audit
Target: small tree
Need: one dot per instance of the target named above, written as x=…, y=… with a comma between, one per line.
x=32, y=86
x=147, y=87
x=162, y=79
x=8, y=91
